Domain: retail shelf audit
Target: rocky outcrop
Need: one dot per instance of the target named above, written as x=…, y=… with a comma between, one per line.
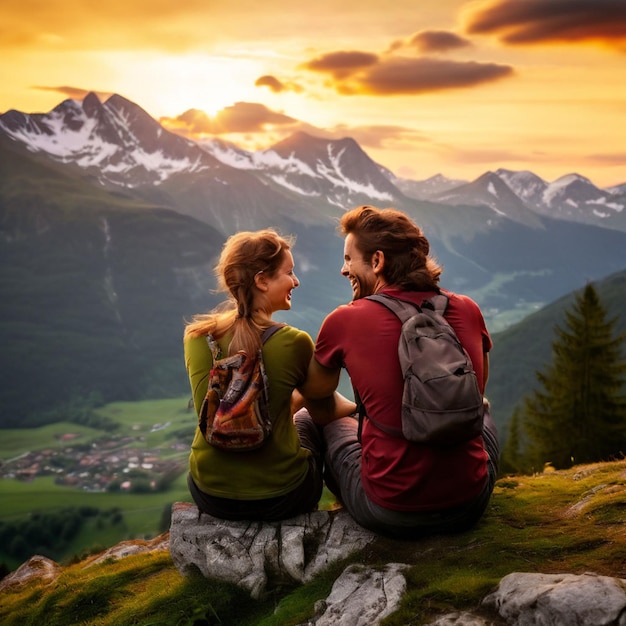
x=46, y=571
x=260, y=556
x=361, y=596
x=529, y=599
x=36, y=568
x=250, y=554
x=256, y=556
x=129, y=548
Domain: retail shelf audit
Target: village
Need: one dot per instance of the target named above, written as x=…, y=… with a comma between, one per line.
x=108, y=464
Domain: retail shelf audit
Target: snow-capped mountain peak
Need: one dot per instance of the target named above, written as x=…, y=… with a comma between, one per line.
x=117, y=142
x=116, y=139
x=574, y=196
x=525, y=185
x=335, y=170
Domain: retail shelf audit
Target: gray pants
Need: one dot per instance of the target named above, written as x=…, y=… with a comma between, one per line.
x=343, y=477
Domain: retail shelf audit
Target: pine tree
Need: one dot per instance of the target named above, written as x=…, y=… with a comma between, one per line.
x=512, y=461
x=579, y=413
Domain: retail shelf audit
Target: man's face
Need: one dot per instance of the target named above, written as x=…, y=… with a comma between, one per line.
x=359, y=272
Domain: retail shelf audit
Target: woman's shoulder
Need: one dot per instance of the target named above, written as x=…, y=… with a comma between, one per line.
x=292, y=333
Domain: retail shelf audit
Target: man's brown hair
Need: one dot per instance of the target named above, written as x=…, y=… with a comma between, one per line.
x=408, y=264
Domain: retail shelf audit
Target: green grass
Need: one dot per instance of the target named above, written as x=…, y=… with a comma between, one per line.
x=567, y=521
x=18, y=441
x=19, y=498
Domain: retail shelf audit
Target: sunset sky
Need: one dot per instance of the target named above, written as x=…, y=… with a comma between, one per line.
x=424, y=86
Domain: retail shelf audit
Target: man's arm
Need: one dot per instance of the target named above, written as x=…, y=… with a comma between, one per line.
x=320, y=395
x=320, y=381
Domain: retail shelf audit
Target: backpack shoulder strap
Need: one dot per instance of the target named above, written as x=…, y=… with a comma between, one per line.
x=268, y=332
x=217, y=352
x=439, y=303
x=404, y=310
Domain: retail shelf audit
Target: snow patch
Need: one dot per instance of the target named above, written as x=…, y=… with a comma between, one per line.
x=282, y=181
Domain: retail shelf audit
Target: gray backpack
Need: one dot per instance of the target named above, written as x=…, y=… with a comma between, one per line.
x=441, y=404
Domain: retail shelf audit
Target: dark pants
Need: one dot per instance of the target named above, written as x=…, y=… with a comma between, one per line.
x=302, y=499
x=343, y=463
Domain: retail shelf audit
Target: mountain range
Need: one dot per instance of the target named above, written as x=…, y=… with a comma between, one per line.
x=120, y=144
x=110, y=225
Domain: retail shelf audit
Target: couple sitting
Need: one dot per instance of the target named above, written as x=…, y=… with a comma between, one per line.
x=387, y=484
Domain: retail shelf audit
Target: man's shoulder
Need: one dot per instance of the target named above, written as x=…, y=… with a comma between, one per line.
x=460, y=301
x=356, y=307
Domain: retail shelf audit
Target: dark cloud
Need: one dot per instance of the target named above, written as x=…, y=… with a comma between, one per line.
x=397, y=76
x=276, y=85
x=341, y=64
x=437, y=41
x=270, y=81
x=540, y=21
x=241, y=117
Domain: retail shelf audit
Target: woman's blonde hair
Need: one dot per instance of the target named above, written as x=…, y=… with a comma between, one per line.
x=243, y=256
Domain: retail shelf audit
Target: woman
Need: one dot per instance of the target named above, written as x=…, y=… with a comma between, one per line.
x=284, y=477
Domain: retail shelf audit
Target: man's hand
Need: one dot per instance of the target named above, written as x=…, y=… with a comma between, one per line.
x=325, y=410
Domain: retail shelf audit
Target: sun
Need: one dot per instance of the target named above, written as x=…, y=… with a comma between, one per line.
x=173, y=84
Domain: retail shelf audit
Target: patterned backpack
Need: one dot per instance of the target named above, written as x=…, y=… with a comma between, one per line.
x=235, y=412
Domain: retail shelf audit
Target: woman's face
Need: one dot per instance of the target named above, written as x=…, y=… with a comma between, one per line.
x=281, y=284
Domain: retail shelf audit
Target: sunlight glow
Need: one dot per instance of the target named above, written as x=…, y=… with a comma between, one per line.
x=192, y=81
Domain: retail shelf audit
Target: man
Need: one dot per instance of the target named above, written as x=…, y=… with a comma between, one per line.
x=388, y=484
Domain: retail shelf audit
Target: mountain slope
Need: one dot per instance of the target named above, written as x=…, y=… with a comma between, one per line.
x=526, y=347
x=89, y=282
x=491, y=191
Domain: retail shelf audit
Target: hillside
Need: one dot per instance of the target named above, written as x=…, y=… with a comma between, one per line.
x=526, y=347
x=559, y=522
x=89, y=282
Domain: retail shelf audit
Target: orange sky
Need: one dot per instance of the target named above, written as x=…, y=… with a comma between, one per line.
x=425, y=86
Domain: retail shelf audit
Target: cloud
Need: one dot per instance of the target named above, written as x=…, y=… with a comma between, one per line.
x=272, y=82
x=75, y=93
x=341, y=64
x=379, y=136
x=407, y=76
x=277, y=86
x=617, y=159
x=241, y=117
x=436, y=41
x=546, y=21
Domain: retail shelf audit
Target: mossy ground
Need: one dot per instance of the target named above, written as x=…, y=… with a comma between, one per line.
x=567, y=521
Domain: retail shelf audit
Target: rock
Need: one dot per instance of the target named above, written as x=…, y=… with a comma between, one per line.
x=250, y=553
x=129, y=548
x=362, y=596
x=460, y=618
x=37, y=567
x=527, y=599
